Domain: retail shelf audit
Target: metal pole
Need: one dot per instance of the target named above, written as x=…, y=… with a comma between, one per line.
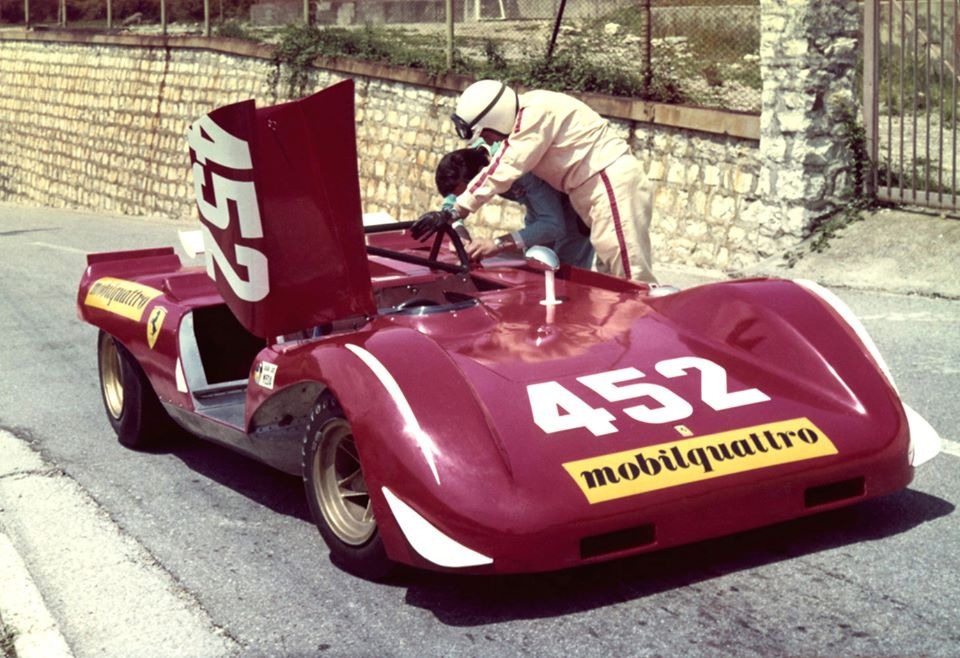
x=306, y=12
x=556, y=29
x=871, y=84
x=163, y=17
x=63, y=13
x=926, y=87
x=448, y=7
x=902, y=176
x=26, y=13
x=109, y=14
x=916, y=87
x=890, y=98
x=206, y=18
x=647, y=46
x=940, y=83
x=953, y=122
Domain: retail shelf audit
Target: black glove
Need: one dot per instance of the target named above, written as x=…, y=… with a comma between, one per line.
x=431, y=222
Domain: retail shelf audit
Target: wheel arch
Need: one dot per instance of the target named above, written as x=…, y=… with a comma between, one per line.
x=427, y=439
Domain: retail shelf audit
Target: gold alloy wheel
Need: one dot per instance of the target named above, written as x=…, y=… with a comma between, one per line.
x=111, y=377
x=339, y=487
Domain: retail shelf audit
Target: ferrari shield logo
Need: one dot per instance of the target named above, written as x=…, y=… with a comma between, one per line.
x=154, y=323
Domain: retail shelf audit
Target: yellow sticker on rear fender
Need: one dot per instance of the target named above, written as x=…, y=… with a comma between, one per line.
x=120, y=296
x=672, y=464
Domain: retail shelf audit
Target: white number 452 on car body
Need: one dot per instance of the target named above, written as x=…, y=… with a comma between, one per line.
x=555, y=408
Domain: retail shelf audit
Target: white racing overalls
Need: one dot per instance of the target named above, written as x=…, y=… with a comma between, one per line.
x=572, y=148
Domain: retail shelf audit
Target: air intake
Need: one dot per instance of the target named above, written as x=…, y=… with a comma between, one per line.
x=833, y=492
x=615, y=542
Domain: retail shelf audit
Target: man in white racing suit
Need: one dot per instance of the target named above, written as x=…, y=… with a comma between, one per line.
x=567, y=144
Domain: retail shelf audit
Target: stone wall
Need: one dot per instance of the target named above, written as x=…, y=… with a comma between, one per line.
x=808, y=61
x=98, y=123
x=102, y=127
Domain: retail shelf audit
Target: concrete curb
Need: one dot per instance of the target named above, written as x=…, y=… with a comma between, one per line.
x=23, y=610
x=73, y=583
x=22, y=607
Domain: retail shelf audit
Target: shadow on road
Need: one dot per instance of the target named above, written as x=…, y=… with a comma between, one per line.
x=467, y=601
x=5, y=234
x=470, y=601
x=258, y=482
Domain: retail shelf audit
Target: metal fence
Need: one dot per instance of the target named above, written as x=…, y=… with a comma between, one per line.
x=912, y=64
x=695, y=52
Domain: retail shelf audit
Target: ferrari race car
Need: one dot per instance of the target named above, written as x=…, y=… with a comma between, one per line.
x=508, y=416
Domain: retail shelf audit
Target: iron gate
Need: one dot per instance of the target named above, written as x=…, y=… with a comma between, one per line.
x=910, y=100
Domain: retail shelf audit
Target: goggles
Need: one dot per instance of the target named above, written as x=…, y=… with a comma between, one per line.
x=464, y=127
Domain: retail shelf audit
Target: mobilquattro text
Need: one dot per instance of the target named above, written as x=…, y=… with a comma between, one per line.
x=702, y=458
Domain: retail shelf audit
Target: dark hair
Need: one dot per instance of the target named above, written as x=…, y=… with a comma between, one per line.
x=459, y=167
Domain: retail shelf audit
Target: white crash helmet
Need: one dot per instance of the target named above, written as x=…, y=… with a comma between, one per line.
x=486, y=104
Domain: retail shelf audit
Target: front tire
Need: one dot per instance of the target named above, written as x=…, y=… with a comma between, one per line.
x=337, y=494
x=132, y=407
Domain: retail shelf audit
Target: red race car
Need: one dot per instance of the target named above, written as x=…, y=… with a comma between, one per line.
x=504, y=417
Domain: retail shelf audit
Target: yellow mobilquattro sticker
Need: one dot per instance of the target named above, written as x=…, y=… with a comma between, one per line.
x=154, y=322
x=120, y=296
x=672, y=464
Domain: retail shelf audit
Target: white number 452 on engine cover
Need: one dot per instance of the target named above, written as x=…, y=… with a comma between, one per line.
x=555, y=408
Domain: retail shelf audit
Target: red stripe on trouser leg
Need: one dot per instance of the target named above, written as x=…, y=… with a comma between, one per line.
x=617, y=225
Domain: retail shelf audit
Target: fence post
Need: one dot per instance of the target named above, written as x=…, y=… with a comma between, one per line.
x=206, y=18
x=163, y=17
x=306, y=12
x=62, y=13
x=647, y=47
x=871, y=86
x=556, y=29
x=26, y=13
x=448, y=7
x=109, y=14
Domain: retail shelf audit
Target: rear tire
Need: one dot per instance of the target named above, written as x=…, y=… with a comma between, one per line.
x=337, y=494
x=132, y=407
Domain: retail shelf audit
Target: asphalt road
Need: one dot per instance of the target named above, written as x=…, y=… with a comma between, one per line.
x=878, y=579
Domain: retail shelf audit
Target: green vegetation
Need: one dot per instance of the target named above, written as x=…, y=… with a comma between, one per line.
x=234, y=29
x=700, y=53
x=570, y=69
x=909, y=86
x=705, y=52
x=298, y=45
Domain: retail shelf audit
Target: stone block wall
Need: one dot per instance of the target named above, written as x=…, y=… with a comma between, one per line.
x=101, y=127
x=98, y=123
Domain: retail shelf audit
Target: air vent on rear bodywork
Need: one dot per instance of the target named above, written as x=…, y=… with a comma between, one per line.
x=834, y=492
x=615, y=542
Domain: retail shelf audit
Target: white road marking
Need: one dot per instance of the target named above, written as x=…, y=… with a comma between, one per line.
x=59, y=247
